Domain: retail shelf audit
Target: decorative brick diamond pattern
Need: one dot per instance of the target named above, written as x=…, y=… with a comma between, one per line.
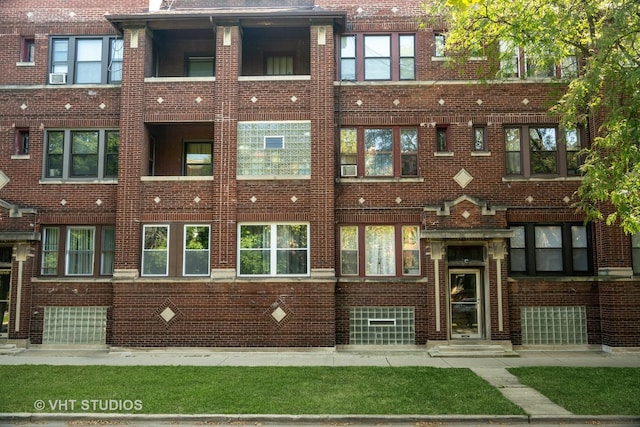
x=168, y=313
x=279, y=313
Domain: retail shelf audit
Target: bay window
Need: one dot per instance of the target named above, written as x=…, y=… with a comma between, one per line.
x=542, y=151
x=85, y=60
x=377, y=57
x=77, y=250
x=550, y=249
x=81, y=154
x=379, y=152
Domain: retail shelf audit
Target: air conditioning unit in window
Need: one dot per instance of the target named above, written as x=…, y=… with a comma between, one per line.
x=349, y=170
x=57, y=78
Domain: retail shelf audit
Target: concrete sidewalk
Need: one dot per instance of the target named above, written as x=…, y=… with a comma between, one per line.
x=493, y=369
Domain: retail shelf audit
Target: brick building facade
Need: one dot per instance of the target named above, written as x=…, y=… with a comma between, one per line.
x=289, y=174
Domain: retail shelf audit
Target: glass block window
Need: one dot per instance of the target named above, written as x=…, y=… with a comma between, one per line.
x=260, y=156
x=382, y=326
x=554, y=325
x=75, y=325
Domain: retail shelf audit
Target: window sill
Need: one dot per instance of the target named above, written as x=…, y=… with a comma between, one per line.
x=176, y=178
x=25, y=64
x=71, y=279
x=443, y=154
x=541, y=179
x=77, y=181
x=178, y=79
x=439, y=58
x=553, y=278
x=272, y=177
x=20, y=157
x=363, y=180
x=287, y=77
x=481, y=154
x=386, y=279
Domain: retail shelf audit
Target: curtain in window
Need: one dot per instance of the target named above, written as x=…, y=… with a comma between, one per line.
x=50, y=251
x=548, y=248
x=292, y=249
x=108, y=248
x=380, y=250
x=349, y=249
x=80, y=251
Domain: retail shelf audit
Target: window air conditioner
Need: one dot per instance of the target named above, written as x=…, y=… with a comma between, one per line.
x=57, y=78
x=349, y=170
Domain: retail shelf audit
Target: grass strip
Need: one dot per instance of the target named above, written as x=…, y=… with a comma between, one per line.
x=586, y=391
x=252, y=390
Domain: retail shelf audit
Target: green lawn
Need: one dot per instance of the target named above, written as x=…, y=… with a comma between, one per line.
x=253, y=390
x=587, y=391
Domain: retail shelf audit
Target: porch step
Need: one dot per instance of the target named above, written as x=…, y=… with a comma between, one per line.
x=9, y=349
x=473, y=350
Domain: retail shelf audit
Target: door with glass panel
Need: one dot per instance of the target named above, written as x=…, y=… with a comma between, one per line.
x=465, y=303
x=5, y=292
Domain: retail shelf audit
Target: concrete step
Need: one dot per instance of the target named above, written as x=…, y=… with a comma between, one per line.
x=473, y=350
x=9, y=349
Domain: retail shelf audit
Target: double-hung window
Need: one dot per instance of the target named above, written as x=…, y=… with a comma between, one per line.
x=81, y=154
x=196, y=254
x=273, y=249
x=379, y=152
x=377, y=57
x=85, y=60
x=155, y=250
x=550, y=249
x=77, y=250
x=161, y=252
x=379, y=250
x=541, y=150
x=198, y=158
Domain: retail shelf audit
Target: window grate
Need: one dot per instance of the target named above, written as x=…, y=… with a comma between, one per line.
x=554, y=325
x=382, y=326
x=75, y=325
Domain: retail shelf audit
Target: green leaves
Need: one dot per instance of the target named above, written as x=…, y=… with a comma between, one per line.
x=603, y=87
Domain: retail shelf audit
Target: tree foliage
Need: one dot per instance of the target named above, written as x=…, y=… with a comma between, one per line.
x=603, y=95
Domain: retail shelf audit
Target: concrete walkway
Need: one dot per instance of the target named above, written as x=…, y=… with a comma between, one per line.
x=492, y=369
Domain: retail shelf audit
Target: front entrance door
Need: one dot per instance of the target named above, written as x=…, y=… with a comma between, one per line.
x=465, y=303
x=5, y=286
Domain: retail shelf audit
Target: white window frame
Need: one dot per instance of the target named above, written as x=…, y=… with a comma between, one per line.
x=185, y=250
x=69, y=252
x=274, y=249
x=145, y=250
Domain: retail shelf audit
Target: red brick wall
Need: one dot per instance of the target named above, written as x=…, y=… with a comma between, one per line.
x=536, y=293
x=374, y=293
x=216, y=314
x=619, y=302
